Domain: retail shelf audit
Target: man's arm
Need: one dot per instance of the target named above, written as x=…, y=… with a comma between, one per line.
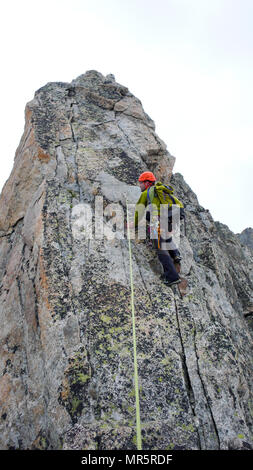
x=140, y=208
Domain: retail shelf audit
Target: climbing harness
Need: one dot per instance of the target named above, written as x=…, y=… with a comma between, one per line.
x=137, y=403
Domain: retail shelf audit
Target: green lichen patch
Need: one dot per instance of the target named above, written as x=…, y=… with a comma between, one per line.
x=42, y=442
x=73, y=393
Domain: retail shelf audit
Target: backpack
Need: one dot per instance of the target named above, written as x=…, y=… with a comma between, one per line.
x=165, y=195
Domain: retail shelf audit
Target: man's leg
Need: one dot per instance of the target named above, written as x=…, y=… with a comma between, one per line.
x=170, y=273
x=173, y=250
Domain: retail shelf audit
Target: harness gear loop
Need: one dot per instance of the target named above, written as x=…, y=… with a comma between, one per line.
x=159, y=235
x=137, y=403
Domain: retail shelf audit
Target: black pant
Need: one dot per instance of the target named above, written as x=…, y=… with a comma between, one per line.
x=166, y=260
x=173, y=251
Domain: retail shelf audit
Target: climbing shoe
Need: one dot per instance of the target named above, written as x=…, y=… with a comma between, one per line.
x=173, y=282
x=168, y=282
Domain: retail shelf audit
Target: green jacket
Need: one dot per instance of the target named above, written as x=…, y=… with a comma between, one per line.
x=155, y=195
x=143, y=202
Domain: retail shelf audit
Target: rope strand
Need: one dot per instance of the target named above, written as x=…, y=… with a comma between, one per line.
x=137, y=403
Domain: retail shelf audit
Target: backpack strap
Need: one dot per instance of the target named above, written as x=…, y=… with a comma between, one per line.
x=148, y=195
x=170, y=188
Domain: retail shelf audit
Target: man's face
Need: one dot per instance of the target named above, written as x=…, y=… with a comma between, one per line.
x=142, y=186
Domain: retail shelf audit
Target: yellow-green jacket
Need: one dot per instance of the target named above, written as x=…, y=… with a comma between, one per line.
x=156, y=195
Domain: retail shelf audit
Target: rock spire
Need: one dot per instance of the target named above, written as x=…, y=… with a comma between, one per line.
x=66, y=363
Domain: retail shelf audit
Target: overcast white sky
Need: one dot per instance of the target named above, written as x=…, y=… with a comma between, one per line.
x=190, y=62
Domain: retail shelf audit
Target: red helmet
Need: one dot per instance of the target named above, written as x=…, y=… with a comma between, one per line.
x=147, y=176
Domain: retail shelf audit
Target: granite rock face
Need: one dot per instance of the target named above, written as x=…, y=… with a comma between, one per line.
x=66, y=359
x=246, y=237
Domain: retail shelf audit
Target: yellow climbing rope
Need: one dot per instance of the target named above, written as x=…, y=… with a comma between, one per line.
x=137, y=403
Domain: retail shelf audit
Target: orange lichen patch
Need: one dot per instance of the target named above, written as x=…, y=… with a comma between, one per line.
x=28, y=113
x=43, y=156
x=65, y=392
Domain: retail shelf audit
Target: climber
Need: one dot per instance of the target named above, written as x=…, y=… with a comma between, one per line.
x=151, y=191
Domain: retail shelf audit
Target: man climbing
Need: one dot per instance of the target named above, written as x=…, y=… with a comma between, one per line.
x=151, y=192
